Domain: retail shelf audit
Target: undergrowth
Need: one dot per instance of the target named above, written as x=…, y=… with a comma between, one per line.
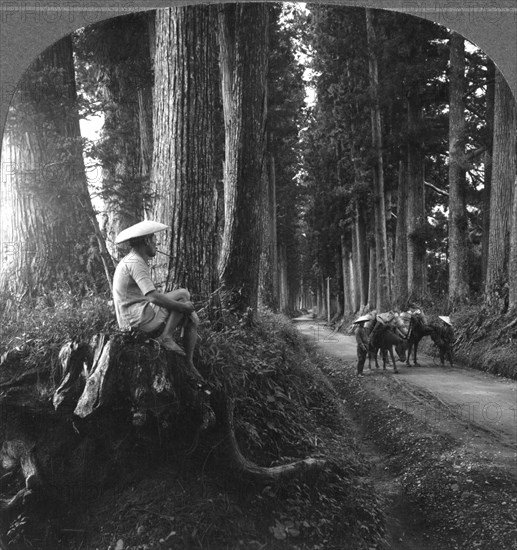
x=33, y=334
x=285, y=409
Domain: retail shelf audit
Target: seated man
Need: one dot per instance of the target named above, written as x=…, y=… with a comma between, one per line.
x=137, y=302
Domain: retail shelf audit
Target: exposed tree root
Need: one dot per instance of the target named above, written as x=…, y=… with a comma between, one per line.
x=247, y=470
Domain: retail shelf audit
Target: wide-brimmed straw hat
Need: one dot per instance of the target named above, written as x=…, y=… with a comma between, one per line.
x=362, y=319
x=445, y=319
x=141, y=229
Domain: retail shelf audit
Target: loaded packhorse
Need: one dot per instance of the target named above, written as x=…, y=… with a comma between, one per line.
x=404, y=331
x=386, y=331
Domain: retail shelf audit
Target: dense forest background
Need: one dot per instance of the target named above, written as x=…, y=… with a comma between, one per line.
x=339, y=158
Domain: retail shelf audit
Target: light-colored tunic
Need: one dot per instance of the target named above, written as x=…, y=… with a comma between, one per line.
x=131, y=282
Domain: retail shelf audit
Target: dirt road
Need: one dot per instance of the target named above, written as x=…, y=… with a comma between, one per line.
x=474, y=409
x=472, y=398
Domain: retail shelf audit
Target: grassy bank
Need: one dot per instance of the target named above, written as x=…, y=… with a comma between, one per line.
x=285, y=409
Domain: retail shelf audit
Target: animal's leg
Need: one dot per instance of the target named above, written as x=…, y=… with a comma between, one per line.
x=383, y=352
x=415, y=352
x=393, y=360
x=409, y=350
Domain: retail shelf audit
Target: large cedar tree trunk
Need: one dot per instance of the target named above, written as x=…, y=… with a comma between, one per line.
x=400, y=286
x=243, y=32
x=416, y=240
x=49, y=224
x=504, y=184
x=489, y=99
x=348, y=289
x=372, y=278
x=183, y=175
x=362, y=255
x=458, y=221
x=501, y=197
x=268, y=291
x=383, y=275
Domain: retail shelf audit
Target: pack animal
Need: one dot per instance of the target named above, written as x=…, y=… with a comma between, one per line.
x=384, y=338
x=418, y=328
x=443, y=338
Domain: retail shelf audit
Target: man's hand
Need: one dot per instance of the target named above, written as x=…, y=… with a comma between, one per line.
x=166, y=302
x=188, y=307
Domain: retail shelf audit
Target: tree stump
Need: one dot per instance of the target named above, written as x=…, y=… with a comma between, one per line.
x=114, y=391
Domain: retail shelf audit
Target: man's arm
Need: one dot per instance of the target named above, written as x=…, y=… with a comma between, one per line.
x=161, y=300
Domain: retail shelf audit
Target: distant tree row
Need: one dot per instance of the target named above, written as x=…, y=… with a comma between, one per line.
x=409, y=156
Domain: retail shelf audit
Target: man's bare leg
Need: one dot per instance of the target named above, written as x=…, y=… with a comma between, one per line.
x=190, y=337
x=166, y=338
x=173, y=320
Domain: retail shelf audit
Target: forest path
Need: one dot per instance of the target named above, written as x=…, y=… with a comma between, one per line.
x=475, y=408
x=448, y=397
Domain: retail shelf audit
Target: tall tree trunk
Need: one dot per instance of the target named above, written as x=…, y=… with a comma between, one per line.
x=355, y=269
x=348, y=304
x=502, y=256
x=458, y=221
x=489, y=99
x=183, y=165
x=362, y=255
x=269, y=260
x=417, y=273
x=53, y=227
x=383, y=278
x=283, y=290
x=243, y=31
x=400, y=292
x=372, y=280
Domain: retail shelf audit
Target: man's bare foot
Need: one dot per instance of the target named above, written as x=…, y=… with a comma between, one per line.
x=171, y=345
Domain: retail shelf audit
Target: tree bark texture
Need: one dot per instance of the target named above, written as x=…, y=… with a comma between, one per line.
x=511, y=162
x=183, y=177
x=502, y=191
x=283, y=288
x=362, y=255
x=490, y=98
x=416, y=254
x=383, y=276
x=49, y=224
x=348, y=290
x=243, y=32
x=268, y=285
x=458, y=220
x=372, y=279
x=400, y=286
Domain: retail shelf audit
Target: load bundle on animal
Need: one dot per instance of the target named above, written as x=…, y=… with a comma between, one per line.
x=404, y=331
x=388, y=331
x=443, y=337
